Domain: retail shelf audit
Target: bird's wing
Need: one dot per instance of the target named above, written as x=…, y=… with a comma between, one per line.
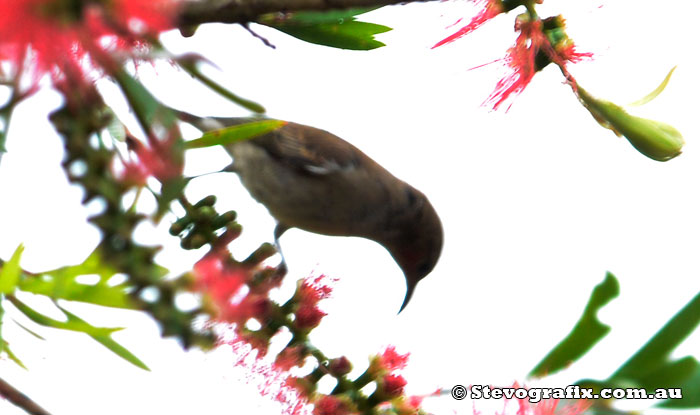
x=310, y=150
x=301, y=147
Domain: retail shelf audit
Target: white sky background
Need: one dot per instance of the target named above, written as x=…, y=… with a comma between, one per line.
x=537, y=204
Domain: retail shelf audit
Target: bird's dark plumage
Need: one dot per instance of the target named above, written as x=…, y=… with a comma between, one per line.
x=313, y=180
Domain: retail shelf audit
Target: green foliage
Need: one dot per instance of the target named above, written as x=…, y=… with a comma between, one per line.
x=75, y=323
x=190, y=65
x=62, y=284
x=146, y=107
x=10, y=272
x=235, y=133
x=337, y=29
x=586, y=333
x=651, y=367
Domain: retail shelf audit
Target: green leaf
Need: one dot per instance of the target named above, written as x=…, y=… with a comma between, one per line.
x=655, y=93
x=106, y=340
x=10, y=272
x=32, y=332
x=586, y=333
x=146, y=107
x=651, y=366
x=193, y=70
x=690, y=400
x=62, y=283
x=5, y=347
x=75, y=323
x=235, y=133
x=653, y=355
x=337, y=29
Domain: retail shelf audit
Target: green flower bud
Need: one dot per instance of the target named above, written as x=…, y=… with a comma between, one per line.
x=654, y=139
x=207, y=201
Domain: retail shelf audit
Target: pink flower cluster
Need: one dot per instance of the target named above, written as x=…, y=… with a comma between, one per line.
x=533, y=50
x=60, y=34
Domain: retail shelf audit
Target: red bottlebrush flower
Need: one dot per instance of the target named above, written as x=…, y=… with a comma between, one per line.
x=392, y=385
x=301, y=385
x=290, y=357
x=218, y=282
x=330, y=405
x=272, y=382
x=568, y=53
x=56, y=30
x=521, y=60
x=491, y=9
x=314, y=289
x=389, y=361
x=308, y=316
x=533, y=50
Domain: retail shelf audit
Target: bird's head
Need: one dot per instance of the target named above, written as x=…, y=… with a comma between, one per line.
x=416, y=242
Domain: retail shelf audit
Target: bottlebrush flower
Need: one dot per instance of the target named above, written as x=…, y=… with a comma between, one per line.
x=539, y=43
x=311, y=290
x=290, y=357
x=388, y=362
x=61, y=33
x=290, y=392
x=392, y=386
x=308, y=317
x=331, y=405
x=219, y=282
x=491, y=9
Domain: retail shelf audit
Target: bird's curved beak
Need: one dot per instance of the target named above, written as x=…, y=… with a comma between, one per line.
x=410, y=287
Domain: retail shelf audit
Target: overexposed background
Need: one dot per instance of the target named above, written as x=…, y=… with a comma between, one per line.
x=537, y=204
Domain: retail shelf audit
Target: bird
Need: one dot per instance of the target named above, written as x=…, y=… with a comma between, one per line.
x=313, y=180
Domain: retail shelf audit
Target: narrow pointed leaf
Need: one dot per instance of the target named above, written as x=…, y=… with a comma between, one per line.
x=33, y=333
x=74, y=323
x=108, y=341
x=651, y=366
x=653, y=356
x=10, y=272
x=337, y=29
x=235, y=133
x=147, y=108
x=655, y=93
x=12, y=356
x=586, y=333
x=192, y=69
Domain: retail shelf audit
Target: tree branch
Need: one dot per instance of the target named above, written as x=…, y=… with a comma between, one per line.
x=196, y=12
x=21, y=400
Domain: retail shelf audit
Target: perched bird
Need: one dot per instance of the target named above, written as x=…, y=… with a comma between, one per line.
x=310, y=179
